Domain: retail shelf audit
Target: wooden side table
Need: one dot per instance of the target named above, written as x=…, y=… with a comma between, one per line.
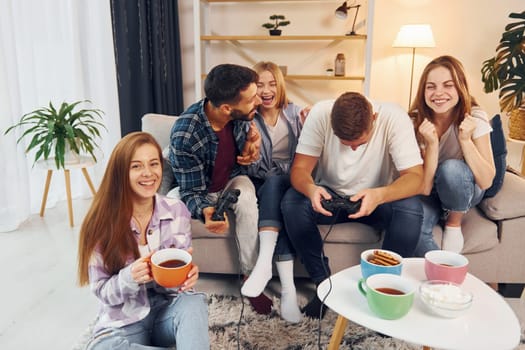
x=49, y=164
x=522, y=153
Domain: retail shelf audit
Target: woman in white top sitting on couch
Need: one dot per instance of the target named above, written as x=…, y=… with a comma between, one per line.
x=454, y=137
x=279, y=122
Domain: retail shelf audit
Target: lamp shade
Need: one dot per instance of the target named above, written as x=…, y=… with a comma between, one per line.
x=415, y=35
x=342, y=11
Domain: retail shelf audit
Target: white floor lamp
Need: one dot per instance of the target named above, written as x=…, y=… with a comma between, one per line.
x=412, y=36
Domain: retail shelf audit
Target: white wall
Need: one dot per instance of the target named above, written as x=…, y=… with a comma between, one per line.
x=470, y=30
x=467, y=29
x=301, y=57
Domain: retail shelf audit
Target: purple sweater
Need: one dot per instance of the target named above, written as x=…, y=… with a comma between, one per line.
x=122, y=300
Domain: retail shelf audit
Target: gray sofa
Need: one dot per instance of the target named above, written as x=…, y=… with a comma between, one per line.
x=494, y=231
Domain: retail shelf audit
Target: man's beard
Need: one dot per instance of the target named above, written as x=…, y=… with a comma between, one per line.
x=236, y=114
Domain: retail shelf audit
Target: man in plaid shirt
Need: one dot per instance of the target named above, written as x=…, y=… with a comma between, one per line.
x=211, y=144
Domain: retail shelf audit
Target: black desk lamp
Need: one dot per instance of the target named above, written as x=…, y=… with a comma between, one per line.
x=342, y=13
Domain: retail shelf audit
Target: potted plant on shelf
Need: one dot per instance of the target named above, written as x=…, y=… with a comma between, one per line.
x=58, y=132
x=278, y=21
x=506, y=70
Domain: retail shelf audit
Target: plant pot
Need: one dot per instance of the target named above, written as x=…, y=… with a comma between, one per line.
x=70, y=156
x=517, y=124
x=275, y=32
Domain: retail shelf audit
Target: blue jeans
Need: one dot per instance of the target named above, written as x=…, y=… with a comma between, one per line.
x=180, y=320
x=270, y=192
x=454, y=190
x=400, y=219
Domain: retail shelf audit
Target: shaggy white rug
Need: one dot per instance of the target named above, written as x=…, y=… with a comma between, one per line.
x=258, y=332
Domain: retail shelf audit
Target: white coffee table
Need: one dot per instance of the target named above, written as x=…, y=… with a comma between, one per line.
x=489, y=324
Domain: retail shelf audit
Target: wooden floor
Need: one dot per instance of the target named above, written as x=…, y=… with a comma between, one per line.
x=41, y=307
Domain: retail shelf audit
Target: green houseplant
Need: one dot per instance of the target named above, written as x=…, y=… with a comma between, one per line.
x=55, y=131
x=278, y=21
x=506, y=70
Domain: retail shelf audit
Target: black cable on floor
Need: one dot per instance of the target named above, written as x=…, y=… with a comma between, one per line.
x=240, y=293
x=329, y=279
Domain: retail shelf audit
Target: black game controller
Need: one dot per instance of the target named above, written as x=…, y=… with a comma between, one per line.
x=225, y=200
x=335, y=204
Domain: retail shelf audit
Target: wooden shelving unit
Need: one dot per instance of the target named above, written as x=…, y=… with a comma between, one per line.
x=282, y=37
x=316, y=77
x=205, y=36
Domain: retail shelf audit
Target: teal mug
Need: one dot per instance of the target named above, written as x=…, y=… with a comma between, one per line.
x=369, y=266
x=389, y=296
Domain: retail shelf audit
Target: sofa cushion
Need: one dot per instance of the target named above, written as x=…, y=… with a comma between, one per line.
x=159, y=125
x=480, y=233
x=168, y=179
x=499, y=152
x=350, y=232
x=509, y=202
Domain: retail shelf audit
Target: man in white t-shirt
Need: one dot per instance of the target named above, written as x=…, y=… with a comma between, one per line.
x=362, y=149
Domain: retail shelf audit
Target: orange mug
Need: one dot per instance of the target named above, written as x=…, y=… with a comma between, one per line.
x=170, y=266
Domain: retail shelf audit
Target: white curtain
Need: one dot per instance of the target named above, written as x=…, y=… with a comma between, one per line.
x=53, y=50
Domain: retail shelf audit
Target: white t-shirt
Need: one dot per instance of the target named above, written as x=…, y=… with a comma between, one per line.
x=280, y=140
x=391, y=148
x=449, y=147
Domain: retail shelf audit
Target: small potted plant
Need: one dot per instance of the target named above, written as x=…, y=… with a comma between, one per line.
x=278, y=21
x=56, y=131
x=506, y=70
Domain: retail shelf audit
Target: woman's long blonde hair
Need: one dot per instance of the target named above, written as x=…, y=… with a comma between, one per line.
x=106, y=226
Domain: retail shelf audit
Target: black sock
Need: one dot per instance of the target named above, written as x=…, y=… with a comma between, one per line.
x=313, y=308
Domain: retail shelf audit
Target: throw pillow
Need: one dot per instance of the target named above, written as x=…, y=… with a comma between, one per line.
x=168, y=179
x=499, y=152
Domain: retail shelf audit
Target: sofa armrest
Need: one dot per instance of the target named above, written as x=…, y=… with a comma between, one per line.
x=509, y=202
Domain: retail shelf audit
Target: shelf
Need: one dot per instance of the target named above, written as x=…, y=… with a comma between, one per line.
x=321, y=77
x=292, y=1
x=282, y=37
x=315, y=77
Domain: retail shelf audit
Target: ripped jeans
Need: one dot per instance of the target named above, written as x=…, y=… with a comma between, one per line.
x=454, y=190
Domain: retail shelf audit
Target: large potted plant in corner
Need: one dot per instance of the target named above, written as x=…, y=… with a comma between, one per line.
x=278, y=21
x=54, y=132
x=506, y=71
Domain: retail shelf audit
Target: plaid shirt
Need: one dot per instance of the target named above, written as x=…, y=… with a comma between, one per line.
x=193, y=149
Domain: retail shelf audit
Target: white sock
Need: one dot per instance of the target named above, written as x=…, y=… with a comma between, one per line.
x=452, y=239
x=262, y=272
x=289, y=309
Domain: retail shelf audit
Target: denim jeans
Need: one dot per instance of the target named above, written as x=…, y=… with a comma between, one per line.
x=180, y=320
x=246, y=214
x=270, y=192
x=454, y=190
x=400, y=219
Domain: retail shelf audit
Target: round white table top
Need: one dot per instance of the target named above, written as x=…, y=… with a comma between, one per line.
x=84, y=162
x=489, y=324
